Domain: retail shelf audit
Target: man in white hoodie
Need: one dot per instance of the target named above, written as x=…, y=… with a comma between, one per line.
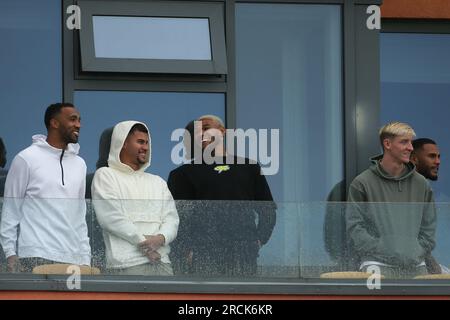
x=135, y=209
x=44, y=196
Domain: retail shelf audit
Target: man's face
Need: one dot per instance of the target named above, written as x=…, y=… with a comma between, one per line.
x=211, y=129
x=427, y=160
x=399, y=148
x=135, y=149
x=69, y=124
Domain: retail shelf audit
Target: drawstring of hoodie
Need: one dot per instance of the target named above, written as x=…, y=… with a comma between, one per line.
x=62, y=168
x=378, y=169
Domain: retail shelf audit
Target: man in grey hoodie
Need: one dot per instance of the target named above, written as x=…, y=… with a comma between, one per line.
x=391, y=219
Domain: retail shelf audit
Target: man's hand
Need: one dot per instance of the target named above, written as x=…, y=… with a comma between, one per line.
x=432, y=265
x=153, y=256
x=152, y=243
x=12, y=263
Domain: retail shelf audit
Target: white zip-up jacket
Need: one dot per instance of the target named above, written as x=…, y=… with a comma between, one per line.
x=130, y=204
x=44, y=195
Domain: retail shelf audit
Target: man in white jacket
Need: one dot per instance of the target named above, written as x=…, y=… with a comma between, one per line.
x=44, y=196
x=134, y=208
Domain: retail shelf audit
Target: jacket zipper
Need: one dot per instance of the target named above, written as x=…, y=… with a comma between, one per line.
x=62, y=168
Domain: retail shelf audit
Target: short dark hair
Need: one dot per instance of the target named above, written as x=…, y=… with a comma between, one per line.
x=418, y=143
x=53, y=110
x=138, y=127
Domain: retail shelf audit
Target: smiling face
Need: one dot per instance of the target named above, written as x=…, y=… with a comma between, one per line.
x=399, y=148
x=135, y=150
x=427, y=159
x=68, y=124
x=211, y=130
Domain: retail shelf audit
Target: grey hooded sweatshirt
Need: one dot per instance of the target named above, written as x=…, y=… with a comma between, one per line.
x=391, y=219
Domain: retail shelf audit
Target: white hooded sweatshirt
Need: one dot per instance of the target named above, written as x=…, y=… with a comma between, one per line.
x=130, y=204
x=44, y=194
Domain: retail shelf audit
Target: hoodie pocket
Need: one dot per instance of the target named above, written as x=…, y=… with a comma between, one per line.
x=147, y=223
x=400, y=250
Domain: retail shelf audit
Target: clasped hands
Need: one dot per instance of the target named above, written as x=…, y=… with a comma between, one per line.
x=150, y=246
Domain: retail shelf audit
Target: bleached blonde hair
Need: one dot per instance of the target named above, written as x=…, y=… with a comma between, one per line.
x=395, y=129
x=212, y=117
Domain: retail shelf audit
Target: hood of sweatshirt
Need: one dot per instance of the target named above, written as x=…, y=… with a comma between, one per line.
x=71, y=150
x=40, y=140
x=377, y=169
x=104, y=147
x=118, y=138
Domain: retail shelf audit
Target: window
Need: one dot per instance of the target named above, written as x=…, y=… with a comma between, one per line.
x=415, y=88
x=153, y=38
x=167, y=38
x=30, y=80
x=103, y=109
x=288, y=70
x=415, y=84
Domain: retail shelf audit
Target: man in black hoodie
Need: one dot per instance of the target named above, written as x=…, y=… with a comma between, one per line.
x=391, y=219
x=219, y=237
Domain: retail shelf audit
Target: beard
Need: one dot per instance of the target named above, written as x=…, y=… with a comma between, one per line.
x=69, y=137
x=427, y=173
x=141, y=161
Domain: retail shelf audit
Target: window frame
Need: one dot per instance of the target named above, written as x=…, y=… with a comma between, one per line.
x=211, y=11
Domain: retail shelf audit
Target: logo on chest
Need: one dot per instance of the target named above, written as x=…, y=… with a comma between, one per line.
x=221, y=169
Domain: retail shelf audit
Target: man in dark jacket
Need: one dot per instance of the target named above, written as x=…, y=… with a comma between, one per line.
x=218, y=236
x=427, y=159
x=3, y=173
x=391, y=219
